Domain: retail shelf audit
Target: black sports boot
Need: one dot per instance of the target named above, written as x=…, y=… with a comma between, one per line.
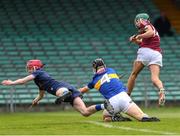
x=60, y=99
x=150, y=119
x=118, y=117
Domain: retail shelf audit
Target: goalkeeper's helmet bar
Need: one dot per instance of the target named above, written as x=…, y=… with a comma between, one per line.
x=98, y=63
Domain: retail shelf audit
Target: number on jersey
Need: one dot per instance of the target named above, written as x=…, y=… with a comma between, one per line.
x=105, y=78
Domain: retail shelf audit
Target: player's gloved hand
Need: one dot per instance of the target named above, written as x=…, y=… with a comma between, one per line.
x=161, y=97
x=132, y=38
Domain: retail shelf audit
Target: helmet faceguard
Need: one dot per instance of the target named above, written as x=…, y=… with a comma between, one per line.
x=32, y=65
x=98, y=63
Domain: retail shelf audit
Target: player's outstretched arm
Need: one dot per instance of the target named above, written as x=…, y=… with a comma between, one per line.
x=18, y=81
x=38, y=98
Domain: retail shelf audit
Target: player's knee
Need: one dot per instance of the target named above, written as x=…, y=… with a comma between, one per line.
x=85, y=113
x=154, y=80
x=107, y=118
x=60, y=91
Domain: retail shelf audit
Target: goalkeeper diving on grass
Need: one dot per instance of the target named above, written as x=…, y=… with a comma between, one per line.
x=107, y=82
x=62, y=90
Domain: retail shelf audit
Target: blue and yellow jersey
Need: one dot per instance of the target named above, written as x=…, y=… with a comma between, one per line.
x=107, y=83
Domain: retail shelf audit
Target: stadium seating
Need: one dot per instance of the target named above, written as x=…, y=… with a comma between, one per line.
x=68, y=35
x=172, y=12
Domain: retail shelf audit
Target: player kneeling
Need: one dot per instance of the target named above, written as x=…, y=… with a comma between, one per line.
x=107, y=82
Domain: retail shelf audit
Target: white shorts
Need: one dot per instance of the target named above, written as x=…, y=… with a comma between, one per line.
x=121, y=102
x=149, y=56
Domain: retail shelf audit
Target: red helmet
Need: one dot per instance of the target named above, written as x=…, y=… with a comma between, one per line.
x=34, y=64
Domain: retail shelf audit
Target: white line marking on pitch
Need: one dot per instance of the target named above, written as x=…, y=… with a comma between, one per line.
x=129, y=128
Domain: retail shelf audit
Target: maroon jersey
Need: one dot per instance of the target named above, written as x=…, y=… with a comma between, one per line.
x=152, y=42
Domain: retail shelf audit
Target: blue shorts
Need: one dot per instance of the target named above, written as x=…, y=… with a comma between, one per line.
x=75, y=92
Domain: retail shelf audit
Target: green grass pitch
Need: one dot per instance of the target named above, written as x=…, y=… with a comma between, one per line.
x=72, y=123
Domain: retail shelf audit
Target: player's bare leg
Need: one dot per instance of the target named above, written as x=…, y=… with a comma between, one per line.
x=62, y=94
x=135, y=112
x=110, y=115
x=155, y=70
x=137, y=67
x=79, y=105
x=61, y=91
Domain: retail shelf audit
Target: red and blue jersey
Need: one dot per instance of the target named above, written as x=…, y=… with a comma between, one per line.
x=107, y=83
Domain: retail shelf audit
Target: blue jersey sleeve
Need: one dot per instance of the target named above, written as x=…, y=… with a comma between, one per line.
x=90, y=85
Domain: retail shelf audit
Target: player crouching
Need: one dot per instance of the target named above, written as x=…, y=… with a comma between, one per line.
x=107, y=82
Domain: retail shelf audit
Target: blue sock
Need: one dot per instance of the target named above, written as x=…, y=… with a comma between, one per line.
x=99, y=107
